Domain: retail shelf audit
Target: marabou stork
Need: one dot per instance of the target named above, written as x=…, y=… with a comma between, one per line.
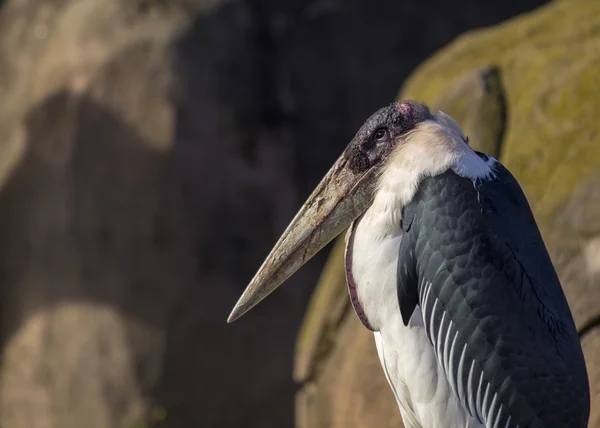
x=446, y=265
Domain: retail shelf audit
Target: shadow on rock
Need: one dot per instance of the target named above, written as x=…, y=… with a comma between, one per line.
x=105, y=293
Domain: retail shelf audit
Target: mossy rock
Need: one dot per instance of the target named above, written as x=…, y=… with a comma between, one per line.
x=528, y=92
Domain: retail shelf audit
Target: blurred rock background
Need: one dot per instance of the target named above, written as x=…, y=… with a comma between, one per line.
x=528, y=92
x=151, y=151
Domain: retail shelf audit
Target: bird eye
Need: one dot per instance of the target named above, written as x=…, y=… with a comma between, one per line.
x=380, y=134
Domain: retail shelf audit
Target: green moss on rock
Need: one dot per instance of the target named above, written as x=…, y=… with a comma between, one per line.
x=325, y=311
x=549, y=64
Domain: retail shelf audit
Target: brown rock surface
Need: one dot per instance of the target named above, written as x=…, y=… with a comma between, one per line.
x=526, y=91
x=591, y=348
x=348, y=392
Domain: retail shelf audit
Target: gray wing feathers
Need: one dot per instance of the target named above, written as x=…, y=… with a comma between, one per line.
x=492, y=305
x=463, y=373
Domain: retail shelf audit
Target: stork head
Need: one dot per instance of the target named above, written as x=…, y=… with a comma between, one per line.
x=342, y=196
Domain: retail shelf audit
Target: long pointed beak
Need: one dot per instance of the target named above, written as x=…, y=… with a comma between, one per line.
x=340, y=198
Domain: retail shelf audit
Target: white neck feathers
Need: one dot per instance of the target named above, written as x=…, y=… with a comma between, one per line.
x=433, y=147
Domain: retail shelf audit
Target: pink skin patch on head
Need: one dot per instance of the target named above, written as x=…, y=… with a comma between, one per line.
x=404, y=108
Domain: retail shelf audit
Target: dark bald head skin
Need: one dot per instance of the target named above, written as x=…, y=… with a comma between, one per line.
x=375, y=140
